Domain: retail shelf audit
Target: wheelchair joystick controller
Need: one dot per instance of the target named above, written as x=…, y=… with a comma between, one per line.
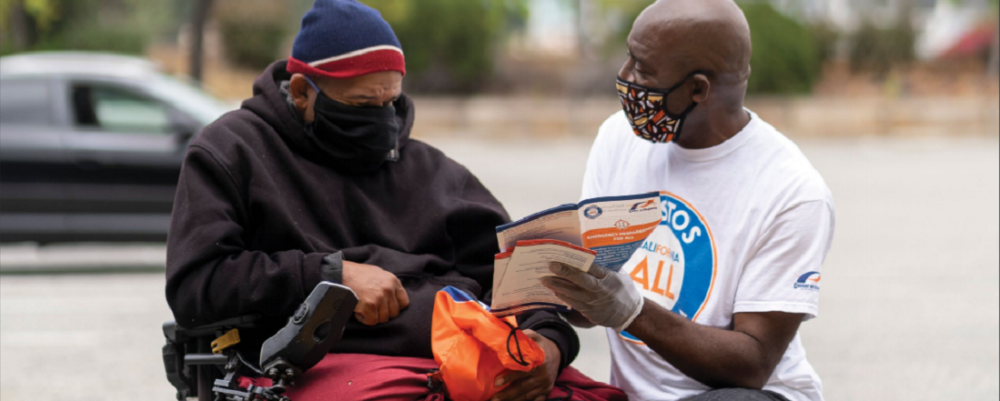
x=310, y=333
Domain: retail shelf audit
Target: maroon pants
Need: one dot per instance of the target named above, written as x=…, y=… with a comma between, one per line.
x=356, y=377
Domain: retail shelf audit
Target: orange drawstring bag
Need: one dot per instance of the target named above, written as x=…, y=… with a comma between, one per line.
x=473, y=347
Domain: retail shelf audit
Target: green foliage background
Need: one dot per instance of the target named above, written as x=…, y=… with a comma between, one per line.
x=450, y=45
x=121, y=26
x=785, y=56
x=629, y=11
x=253, y=31
x=879, y=49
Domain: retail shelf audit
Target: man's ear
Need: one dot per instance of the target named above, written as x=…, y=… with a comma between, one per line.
x=701, y=89
x=301, y=91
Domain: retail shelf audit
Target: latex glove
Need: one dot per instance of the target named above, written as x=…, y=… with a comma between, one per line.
x=604, y=297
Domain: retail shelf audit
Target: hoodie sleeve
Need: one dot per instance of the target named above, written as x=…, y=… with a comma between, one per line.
x=472, y=229
x=210, y=273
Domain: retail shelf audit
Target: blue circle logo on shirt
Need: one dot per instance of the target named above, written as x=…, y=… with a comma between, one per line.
x=675, y=266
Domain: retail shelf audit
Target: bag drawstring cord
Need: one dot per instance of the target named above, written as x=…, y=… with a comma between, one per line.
x=517, y=343
x=568, y=397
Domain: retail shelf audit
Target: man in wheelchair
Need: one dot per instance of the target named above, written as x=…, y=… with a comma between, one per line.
x=316, y=179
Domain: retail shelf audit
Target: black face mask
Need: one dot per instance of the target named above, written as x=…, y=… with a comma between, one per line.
x=356, y=139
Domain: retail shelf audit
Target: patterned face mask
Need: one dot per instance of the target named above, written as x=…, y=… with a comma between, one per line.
x=646, y=109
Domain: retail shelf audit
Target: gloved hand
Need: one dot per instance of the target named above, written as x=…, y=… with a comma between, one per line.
x=602, y=296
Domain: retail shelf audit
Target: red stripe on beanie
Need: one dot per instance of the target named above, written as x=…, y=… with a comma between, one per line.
x=376, y=61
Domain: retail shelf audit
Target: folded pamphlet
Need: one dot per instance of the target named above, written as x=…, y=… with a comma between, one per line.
x=605, y=231
x=517, y=275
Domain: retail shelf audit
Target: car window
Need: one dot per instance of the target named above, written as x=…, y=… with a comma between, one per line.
x=116, y=109
x=25, y=101
x=187, y=98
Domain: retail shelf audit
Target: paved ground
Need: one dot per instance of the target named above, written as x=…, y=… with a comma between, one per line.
x=909, y=310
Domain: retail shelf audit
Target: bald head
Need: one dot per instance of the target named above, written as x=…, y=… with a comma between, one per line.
x=704, y=47
x=710, y=36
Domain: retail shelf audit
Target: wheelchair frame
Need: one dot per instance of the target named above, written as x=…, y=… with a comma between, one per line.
x=198, y=367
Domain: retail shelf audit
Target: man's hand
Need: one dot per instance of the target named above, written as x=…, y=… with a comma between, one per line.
x=380, y=294
x=604, y=297
x=536, y=384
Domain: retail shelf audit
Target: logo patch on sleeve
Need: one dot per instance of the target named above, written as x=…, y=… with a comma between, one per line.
x=808, y=281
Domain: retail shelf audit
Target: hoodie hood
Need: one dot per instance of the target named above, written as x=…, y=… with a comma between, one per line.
x=270, y=103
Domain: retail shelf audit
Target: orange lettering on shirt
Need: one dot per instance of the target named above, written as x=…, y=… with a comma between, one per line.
x=643, y=268
x=656, y=281
x=670, y=280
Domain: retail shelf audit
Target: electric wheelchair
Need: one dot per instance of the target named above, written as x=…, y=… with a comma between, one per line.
x=202, y=362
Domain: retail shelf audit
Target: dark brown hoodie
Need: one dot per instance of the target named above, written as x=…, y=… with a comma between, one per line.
x=258, y=207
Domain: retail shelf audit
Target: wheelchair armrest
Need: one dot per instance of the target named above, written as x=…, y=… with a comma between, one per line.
x=186, y=349
x=177, y=334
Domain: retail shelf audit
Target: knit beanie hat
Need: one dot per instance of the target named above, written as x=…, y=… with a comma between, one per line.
x=345, y=39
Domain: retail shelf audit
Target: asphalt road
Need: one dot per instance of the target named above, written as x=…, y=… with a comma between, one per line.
x=910, y=304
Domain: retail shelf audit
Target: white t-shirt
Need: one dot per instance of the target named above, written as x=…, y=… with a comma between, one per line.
x=746, y=227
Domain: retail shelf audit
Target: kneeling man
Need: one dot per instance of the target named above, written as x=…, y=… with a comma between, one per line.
x=709, y=307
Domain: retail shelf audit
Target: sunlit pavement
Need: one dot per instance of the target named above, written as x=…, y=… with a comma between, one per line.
x=909, y=304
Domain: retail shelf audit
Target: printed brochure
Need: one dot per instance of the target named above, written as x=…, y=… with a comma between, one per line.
x=607, y=229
